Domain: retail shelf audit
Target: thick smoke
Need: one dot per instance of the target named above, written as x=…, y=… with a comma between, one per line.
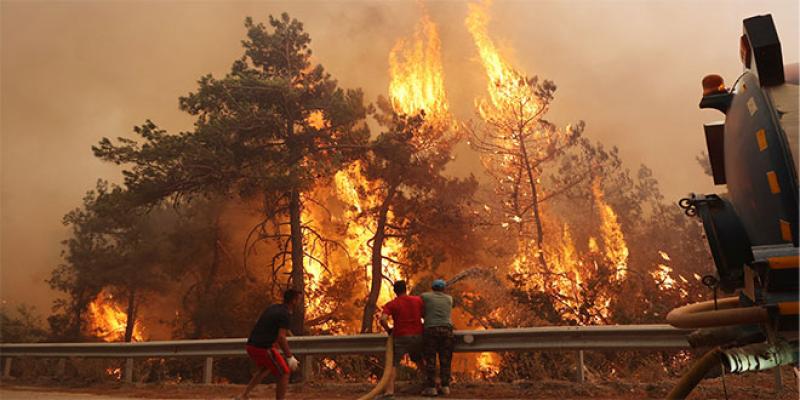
x=74, y=72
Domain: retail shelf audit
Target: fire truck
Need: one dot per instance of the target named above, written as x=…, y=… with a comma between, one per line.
x=752, y=225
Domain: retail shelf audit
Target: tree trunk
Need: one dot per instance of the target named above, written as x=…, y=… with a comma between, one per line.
x=81, y=303
x=131, y=314
x=297, y=322
x=535, y=203
x=377, y=262
x=205, y=297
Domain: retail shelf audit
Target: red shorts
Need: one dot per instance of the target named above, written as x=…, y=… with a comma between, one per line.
x=268, y=358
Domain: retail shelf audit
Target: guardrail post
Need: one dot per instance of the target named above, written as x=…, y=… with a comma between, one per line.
x=61, y=367
x=308, y=371
x=778, y=380
x=579, y=367
x=128, y=370
x=208, y=370
x=7, y=368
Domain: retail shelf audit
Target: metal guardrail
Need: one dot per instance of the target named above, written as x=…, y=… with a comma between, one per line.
x=520, y=339
x=607, y=337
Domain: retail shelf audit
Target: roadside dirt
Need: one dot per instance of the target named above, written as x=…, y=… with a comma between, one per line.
x=753, y=386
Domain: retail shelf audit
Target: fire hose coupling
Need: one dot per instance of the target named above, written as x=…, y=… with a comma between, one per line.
x=759, y=356
x=691, y=203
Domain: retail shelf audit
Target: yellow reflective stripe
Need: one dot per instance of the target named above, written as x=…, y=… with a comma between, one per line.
x=786, y=262
x=789, y=308
x=786, y=230
x=761, y=136
x=774, y=187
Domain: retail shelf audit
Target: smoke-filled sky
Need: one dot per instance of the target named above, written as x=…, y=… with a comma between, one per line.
x=73, y=72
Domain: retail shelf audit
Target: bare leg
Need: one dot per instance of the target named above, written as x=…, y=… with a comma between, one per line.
x=260, y=374
x=280, y=387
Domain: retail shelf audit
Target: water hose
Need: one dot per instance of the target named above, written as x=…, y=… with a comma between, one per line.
x=387, y=371
x=753, y=357
x=703, y=315
x=691, y=378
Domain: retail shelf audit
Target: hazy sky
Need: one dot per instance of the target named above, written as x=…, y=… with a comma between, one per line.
x=73, y=72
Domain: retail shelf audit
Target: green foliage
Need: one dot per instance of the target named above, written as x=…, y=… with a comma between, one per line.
x=430, y=209
x=115, y=245
x=266, y=131
x=273, y=124
x=24, y=327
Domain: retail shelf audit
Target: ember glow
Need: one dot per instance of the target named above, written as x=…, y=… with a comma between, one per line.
x=115, y=373
x=662, y=276
x=488, y=365
x=107, y=320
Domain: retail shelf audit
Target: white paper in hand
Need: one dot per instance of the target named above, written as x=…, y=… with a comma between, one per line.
x=293, y=363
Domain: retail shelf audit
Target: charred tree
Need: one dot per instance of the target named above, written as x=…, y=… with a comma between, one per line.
x=516, y=142
x=297, y=321
x=130, y=313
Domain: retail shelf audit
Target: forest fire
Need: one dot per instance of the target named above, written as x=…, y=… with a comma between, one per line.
x=365, y=194
x=108, y=321
x=515, y=145
x=416, y=89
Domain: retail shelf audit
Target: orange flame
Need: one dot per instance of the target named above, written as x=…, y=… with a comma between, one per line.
x=415, y=67
x=108, y=321
x=662, y=276
x=514, y=106
x=114, y=373
x=354, y=190
x=316, y=120
x=488, y=365
x=314, y=269
x=611, y=233
x=416, y=85
x=510, y=94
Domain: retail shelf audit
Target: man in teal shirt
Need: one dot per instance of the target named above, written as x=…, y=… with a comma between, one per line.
x=437, y=337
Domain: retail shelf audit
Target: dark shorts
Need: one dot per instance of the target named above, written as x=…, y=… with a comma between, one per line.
x=269, y=358
x=411, y=345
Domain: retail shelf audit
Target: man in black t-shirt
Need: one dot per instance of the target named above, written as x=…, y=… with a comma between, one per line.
x=267, y=336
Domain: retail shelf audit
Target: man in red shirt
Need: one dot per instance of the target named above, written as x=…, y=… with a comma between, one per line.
x=406, y=313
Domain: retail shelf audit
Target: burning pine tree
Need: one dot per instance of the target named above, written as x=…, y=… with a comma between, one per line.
x=517, y=146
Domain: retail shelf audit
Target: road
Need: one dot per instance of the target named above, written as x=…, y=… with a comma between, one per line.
x=31, y=393
x=759, y=386
x=22, y=393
